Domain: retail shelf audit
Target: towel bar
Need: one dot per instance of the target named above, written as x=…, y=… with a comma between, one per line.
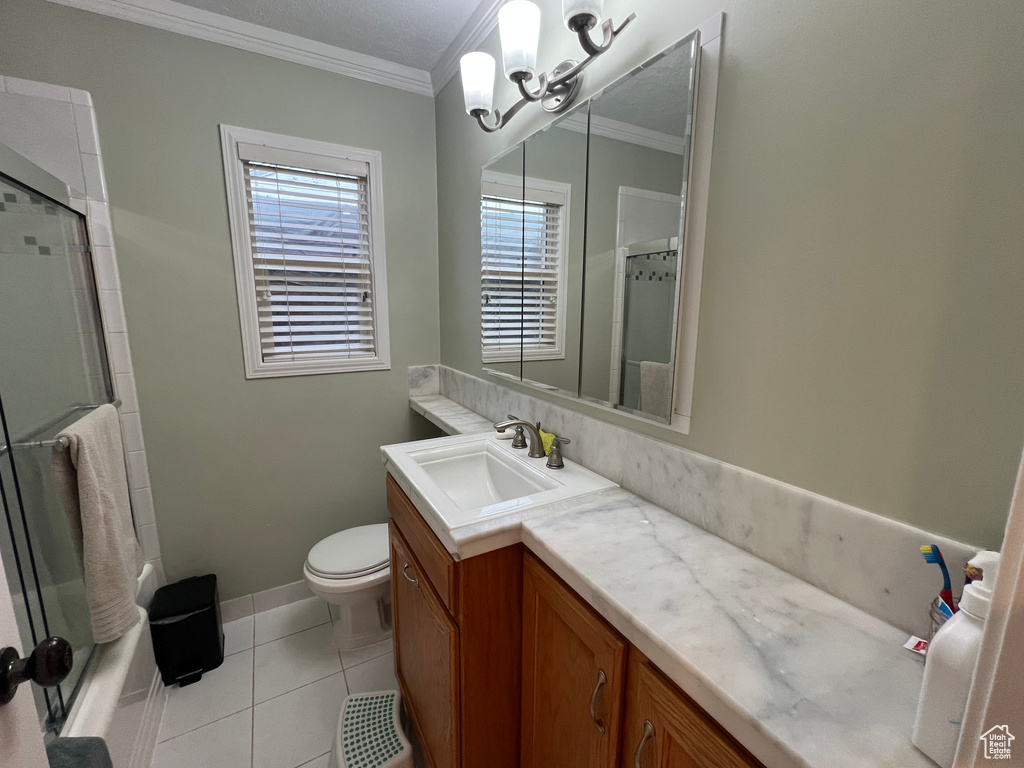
x=55, y=442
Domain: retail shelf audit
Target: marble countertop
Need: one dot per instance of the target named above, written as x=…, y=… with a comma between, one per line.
x=453, y=418
x=797, y=676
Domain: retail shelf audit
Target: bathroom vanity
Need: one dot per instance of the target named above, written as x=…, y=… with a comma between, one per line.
x=495, y=653
x=554, y=633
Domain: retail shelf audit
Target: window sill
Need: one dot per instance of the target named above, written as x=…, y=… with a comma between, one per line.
x=313, y=368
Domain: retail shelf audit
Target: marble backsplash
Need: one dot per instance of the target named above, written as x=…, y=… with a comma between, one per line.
x=865, y=559
x=424, y=380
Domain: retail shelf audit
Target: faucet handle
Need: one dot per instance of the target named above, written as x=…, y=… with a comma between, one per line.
x=555, y=457
x=519, y=440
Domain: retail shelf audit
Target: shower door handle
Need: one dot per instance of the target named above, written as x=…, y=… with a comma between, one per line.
x=47, y=666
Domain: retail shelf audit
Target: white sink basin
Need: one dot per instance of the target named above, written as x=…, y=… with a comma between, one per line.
x=479, y=475
x=468, y=478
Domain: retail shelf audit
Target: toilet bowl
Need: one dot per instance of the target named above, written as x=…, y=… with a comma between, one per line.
x=350, y=570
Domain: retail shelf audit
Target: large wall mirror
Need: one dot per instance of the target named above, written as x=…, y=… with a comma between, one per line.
x=582, y=232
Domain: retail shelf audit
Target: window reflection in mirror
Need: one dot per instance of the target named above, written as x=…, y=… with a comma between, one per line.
x=638, y=169
x=501, y=260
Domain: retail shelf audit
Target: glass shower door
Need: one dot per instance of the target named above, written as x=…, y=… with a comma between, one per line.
x=53, y=368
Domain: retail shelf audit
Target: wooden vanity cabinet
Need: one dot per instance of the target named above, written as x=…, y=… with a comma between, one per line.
x=574, y=676
x=664, y=728
x=426, y=656
x=458, y=643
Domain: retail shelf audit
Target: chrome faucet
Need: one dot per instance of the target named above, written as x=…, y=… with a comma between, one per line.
x=536, y=444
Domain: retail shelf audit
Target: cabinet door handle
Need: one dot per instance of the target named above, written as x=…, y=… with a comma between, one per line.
x=601, y=680
x=416, y=582
x=648, y=733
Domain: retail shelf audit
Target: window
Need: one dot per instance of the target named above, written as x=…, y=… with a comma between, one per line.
x=523, y=231
x=307, y=232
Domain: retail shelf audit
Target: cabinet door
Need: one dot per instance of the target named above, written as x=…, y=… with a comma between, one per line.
x=665, y=729
x=426, y=657
x=574, y=668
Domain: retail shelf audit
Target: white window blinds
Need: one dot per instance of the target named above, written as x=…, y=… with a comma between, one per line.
x=308, y=260
x=310, y=237
x=522, y=245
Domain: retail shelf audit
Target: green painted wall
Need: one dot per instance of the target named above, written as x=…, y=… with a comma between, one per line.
x=861, y=313
x=246, y=475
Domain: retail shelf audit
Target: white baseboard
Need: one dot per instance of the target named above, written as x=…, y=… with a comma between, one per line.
x=275, y=597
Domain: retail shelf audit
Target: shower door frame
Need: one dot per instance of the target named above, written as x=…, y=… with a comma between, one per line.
x=24, y=173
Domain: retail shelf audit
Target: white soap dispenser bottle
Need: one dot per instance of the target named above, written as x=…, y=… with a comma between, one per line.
x=949, y=667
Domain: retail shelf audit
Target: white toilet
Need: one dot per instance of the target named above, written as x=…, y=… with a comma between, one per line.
x=350, y=570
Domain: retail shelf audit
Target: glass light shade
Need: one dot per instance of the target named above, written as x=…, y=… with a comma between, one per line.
x=519, y=27
x=571, y=8
x=477, y=80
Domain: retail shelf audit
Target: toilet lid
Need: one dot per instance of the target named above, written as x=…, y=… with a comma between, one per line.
x=351, y=553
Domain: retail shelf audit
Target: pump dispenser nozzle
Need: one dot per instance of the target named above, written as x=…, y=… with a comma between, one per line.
x=978, y=594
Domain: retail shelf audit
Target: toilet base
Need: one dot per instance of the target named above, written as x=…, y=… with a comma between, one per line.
x=358, y=625
x=343, y=641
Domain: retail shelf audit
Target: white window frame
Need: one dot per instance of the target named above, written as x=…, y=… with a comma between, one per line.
x=245, y=278
x=493, y=183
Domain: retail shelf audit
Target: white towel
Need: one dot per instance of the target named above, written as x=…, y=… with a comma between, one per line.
x=655, y=389
x=93, y=487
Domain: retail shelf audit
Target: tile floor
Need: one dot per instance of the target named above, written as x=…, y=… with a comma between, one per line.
x=274, y=702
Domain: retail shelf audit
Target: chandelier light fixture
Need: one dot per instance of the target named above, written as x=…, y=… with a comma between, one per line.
x=519, y=30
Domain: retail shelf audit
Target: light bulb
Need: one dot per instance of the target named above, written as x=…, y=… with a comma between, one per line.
x=573, y=9
x=477, y=80
x=519, y=28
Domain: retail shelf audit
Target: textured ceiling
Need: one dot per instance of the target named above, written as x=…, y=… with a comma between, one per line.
x=410, y=33
x=654, y=98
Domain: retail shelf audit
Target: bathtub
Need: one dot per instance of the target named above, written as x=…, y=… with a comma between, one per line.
x=121, y=696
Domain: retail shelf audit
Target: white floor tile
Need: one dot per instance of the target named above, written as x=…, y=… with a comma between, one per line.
x=289, y=619
x=238, y=635
x=298, y=726
x=375, y=675
x=294, y=661
x=226, y=743
x=352, y=658
x=321, y=762
x=221, y=692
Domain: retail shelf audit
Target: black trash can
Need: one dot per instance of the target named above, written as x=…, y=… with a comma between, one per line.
x=184, y=621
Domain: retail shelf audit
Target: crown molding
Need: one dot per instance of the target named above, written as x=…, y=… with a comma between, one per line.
x=474, y=31
x=576, y=122
x=215, y=28
x=632, y=134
